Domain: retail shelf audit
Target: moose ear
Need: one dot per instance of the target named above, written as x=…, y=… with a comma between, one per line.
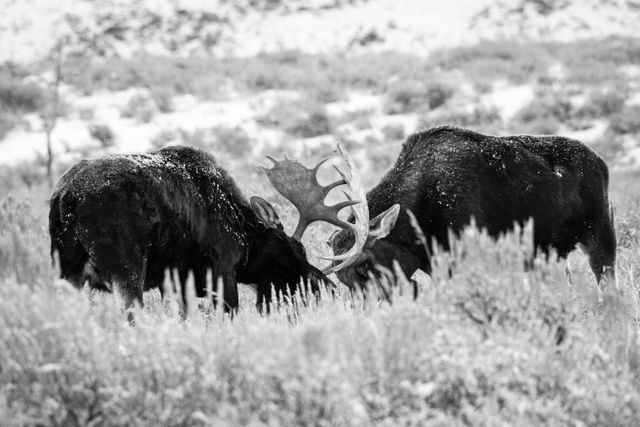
x=381, y=226
x=266, y=213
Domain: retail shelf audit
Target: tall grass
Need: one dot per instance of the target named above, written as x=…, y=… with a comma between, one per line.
x=489, y=344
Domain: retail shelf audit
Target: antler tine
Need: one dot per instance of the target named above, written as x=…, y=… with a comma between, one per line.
x=321, y=162
x=300, y=186
x=360, y=212
x=346, y=203
x=274, y=161
x=329, y=187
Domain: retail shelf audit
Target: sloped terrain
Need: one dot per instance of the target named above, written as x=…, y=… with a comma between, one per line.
x=223, y=27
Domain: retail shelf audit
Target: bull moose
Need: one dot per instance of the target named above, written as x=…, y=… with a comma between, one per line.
x=446, y=176
x=120, y=221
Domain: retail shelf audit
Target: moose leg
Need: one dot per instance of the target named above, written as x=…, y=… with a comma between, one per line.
x=600, y=247
x=230, y=292
x=230, y=289
x=132, y=290
x=263, y=301
x=184, y=276
x=130, y=293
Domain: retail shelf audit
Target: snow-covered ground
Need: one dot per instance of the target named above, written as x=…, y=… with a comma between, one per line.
x=29, y=28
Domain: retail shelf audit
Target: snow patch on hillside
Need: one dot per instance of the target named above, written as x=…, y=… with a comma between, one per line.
x=189, y=27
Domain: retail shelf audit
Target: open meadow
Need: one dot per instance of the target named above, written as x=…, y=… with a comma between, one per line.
x=490, y=345
x=485, y=342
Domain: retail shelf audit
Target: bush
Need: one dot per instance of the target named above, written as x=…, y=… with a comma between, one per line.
x=24, y=174
x=234, y=140
x=141, y=107
x=163, y=99
x=313, y=123
x=231, y=140
x=162, y=138
x=301, y=117
x=16, y=98
x=480, y=118
x=537, y=126
x=86, y=113
x=199, y=138
x=8, y=121
x=607, y=102
x=545, y=106
x=543, y=115
x=493, y=60
x=409, y=96
x=626, y=121
x=103, y=134
x=20, y=97
x=394, y=131
x=601, y=103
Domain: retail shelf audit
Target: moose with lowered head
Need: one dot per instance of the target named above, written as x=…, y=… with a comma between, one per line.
x=118, y=222
x=446, y=176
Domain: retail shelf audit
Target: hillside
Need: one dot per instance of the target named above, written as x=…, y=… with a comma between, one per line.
x=245, y=28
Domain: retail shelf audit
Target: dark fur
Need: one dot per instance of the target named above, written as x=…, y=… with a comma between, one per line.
x=447, y=175
x=130, y=217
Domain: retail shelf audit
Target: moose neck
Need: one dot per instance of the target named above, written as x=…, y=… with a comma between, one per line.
x=257, y=234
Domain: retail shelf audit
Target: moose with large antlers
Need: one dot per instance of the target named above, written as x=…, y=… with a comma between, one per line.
x=446, y=176
x=120, y=221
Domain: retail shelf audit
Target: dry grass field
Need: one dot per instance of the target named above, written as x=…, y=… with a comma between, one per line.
x=478, y=348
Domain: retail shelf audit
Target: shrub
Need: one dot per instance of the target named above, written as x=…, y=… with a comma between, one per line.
x=234, y=140
x=515, y=62
x=543, y=115
x=607, y=102
x=609, y=146
x=231, y=140
x=20, y=97
x=301, y=117
x=393, y=131
x=86, y=113
x=16, y=98
x=163, y=99
x=325, y=93
x=28, y=174
x=162, y=138
x=481, y=118
x=141, y=107
x=312, y=123
x=408, y=96
x=602, y=103
x=8, y=121
x=627, y=121
x=537, y=126
x=199, y=138
x=545, y=106
x=103, y=134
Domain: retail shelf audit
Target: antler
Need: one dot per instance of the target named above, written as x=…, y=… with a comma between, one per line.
x=300, y=186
